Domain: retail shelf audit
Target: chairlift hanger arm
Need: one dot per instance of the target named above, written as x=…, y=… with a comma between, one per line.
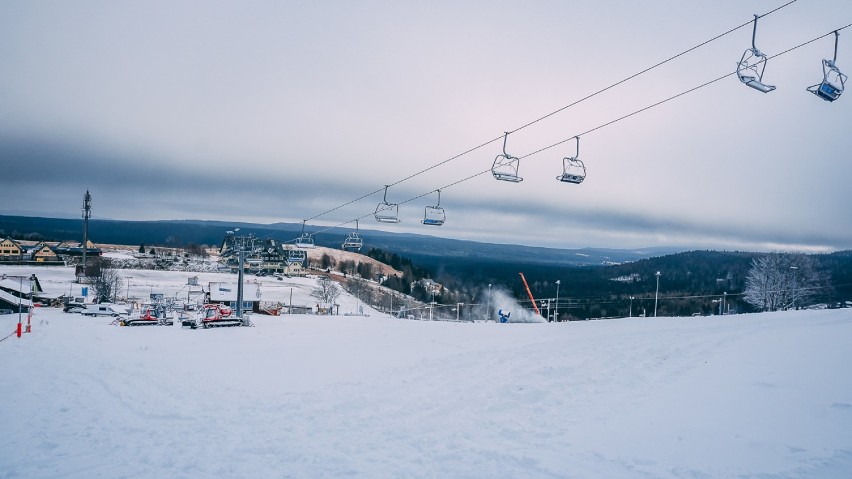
x=754, y=31
x=836, y=40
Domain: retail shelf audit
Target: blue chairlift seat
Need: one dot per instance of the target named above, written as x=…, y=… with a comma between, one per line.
x=353, y=242
x=833, y=82
x=434, y=216
x=305, y=241
x=296, y=256
x=573, y=169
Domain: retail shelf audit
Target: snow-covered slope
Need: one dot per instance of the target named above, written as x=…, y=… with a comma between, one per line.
x=764, y=395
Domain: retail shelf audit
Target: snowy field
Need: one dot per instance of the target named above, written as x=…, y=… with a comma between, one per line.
x=747, y=396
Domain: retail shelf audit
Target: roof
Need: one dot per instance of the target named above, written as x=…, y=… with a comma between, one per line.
x=228, y=291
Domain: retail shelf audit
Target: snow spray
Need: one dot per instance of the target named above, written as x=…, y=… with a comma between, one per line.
x=502, y=300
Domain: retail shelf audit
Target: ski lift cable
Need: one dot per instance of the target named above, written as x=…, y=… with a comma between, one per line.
x=559, y=110
x=599, y=127
x=678, y=95
x=674, y=57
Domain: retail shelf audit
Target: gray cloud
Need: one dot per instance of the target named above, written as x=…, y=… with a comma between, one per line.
x=216, y=111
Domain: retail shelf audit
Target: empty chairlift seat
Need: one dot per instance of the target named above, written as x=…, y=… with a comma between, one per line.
x=387, y=212
x=752, y=64
x=505, y=166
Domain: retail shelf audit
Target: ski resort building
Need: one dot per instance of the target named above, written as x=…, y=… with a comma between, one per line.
x=65, y=248
x=10, y=250
x=42, y=253
x=226, y=293
x=16, y=292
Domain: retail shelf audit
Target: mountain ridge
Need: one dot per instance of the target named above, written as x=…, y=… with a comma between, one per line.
x=416, y=246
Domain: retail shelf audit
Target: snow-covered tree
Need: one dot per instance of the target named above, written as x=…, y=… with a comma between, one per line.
x=783, y=281
x=326, y=290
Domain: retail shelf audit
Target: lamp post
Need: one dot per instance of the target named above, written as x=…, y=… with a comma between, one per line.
x=631, y=306
x=488, y=304
x=30, y=312
x=556, y=307
x=20, y=293
x=794, y=268
x=458, y=310
x=127, y=294
x=657, y=294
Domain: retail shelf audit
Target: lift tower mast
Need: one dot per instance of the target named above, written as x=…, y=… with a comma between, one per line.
x=87, y=213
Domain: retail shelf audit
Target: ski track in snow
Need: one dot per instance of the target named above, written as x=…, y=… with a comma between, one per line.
x=763, y=395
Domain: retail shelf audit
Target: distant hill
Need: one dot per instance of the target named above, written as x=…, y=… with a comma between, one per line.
x=594, y=282
x=437, y=252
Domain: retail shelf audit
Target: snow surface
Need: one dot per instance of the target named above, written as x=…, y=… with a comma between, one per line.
x=756, y=396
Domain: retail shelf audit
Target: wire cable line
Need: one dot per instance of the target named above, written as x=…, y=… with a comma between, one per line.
x=559, y=110
x=599, y=127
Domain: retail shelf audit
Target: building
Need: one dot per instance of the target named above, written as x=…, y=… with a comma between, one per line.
x=18, y=290
x=66, y=248
x=11, y=250
x=42, y=253
x=226, y=293
x=268, y=256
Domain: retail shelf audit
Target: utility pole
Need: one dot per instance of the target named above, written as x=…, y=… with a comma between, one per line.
x=657, y=294
x=631, y=306
x=556, y=307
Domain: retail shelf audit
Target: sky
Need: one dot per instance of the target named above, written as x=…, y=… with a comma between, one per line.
x=290, y=110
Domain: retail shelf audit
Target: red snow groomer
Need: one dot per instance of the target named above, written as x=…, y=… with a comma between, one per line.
x=213, y=316
x=150, y=316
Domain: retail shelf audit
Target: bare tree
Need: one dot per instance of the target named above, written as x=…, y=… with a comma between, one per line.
x=326, y=290
x=106, y=282
x=783, y=281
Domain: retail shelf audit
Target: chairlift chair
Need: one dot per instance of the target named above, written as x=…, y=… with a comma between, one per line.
x=353, y=240
x=752, y=64
x=573, y=169
x=505, y=167
x=434, y=215
x=306, y=240
x=296, y=256
x=387, y=212
x=833, y=80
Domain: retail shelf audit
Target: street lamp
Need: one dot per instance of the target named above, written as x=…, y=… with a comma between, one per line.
x=657, y=294
x=556, y=307
x=127, y=295
x=794, y=268
x=488, y=304
x=631, y=306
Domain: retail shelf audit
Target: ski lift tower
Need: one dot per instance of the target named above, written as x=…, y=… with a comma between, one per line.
x=240, y=242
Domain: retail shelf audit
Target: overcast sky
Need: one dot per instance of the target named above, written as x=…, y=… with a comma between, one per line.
x=279, y=111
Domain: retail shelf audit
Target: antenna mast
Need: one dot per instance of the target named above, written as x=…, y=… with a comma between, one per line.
x=87, y=213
